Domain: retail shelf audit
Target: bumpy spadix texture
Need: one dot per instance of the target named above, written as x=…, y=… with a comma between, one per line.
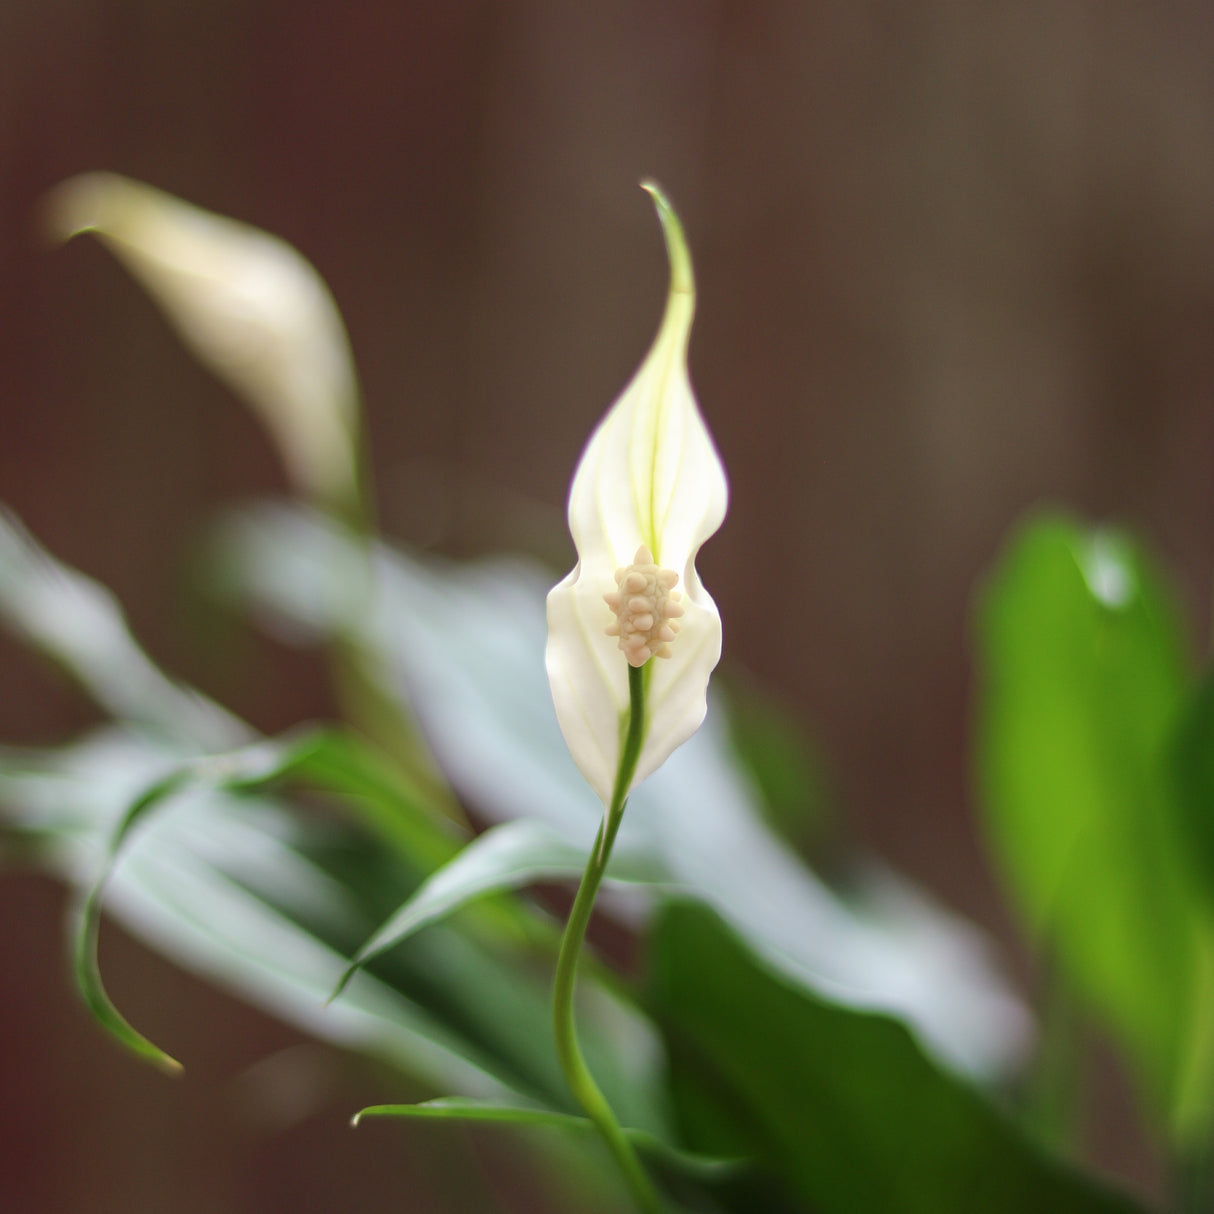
x=247, y=304
x=646, y=609
x=649, y=490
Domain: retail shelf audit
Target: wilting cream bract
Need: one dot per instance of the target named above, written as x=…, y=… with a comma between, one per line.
x=247, y=304
x=651, y=477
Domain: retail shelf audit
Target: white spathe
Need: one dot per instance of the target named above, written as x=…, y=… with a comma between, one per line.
x=249, y=307
x=650, y=476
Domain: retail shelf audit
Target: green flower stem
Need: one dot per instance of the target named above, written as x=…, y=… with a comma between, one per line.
x=1057, y=1069
x=581, y=1082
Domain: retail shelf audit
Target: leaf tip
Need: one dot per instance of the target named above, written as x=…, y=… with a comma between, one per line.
x=169, y=1065
x=77, y=206
x=682, y=279
x=343, y=981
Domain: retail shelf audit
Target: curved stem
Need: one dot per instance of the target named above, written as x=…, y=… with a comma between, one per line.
x=577, y=1074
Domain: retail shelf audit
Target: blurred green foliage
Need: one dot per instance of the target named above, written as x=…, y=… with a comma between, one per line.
x=789, y=1045
x=1084, y=683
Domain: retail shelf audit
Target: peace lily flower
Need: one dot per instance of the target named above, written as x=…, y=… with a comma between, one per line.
x=649, y=490
x=247, y=305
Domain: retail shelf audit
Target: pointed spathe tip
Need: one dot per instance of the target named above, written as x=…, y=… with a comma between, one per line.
x=682, y=280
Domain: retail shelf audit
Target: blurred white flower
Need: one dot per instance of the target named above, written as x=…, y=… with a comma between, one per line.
x=649, y=490
x=248, y=306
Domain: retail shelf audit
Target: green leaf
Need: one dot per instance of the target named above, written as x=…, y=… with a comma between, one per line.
x=87, y=928
x=504, y=857
x=78, y=623
x=269, y=906
x=220, y=884
x=249, y=767
x=339, y=761
x=781, y=758
x=470, y=662
x=452, y=1108
x=1193, y=768
x=1083, y=676
x=841, y=1105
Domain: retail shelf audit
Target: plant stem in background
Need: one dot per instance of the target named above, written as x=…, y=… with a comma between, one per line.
x=581, y=1082
x=1192, y=1181
x=1052, y=1098
x=358, y=683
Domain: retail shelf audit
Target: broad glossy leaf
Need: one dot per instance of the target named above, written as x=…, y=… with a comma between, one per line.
x=1083, y=676
x=337, y=760
x=335, y=757
x=842, y=1106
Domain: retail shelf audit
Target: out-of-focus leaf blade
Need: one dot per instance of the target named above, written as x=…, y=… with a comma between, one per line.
x=1193, y=768
x=505, y=857
x=87, y=927
x=781, y=759
x=304, y=894
x=451, y=1108
x=464, y=645
x=338, y=761
x=841, y=1105
x=220, y=884
x=78, y=622
x=1082, y=680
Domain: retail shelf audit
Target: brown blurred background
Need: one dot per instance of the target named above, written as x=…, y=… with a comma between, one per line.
x=953, y=259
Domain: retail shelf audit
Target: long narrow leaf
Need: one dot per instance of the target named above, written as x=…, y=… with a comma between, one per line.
x=453, y=1108
x=77, y=622
x=336, y=760
x=86, y=929
x=242, y=892
x=505, y=857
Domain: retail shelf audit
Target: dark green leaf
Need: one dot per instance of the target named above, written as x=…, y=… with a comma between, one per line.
x=841, y=1105
x=780, y=757
x=1193, y=766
